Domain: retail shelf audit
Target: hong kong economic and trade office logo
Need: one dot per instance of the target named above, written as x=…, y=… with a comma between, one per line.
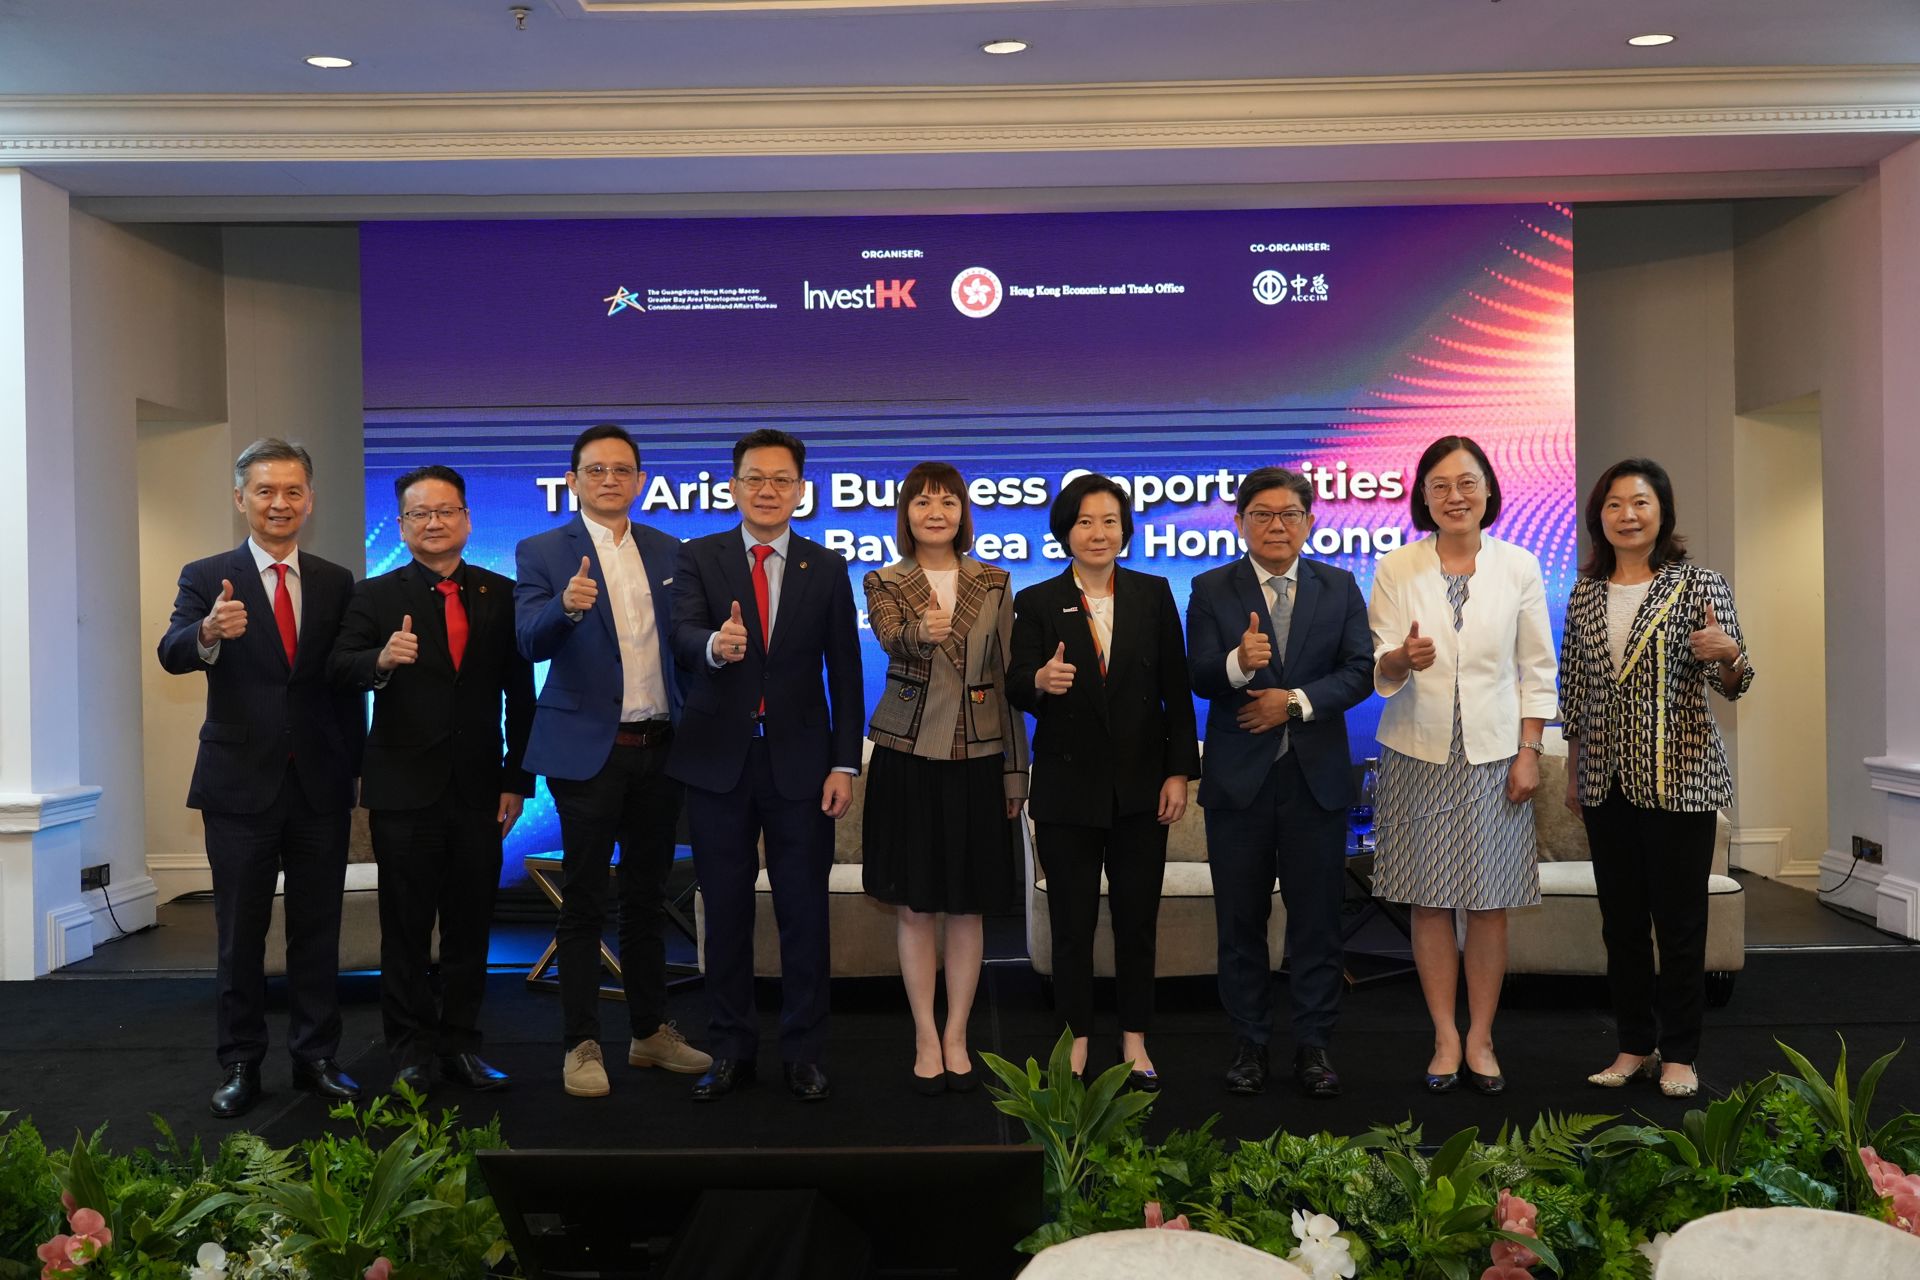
x=623, y=299
x=976, y=292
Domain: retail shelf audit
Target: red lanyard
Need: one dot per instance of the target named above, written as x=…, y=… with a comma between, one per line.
x=1087, y=608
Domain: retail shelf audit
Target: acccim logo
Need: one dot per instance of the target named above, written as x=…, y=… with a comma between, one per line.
x=976, y=292
x=621, y=299
x=1270, y=287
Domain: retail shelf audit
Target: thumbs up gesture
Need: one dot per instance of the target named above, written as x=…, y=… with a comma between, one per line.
x=581, y=590
x=1056, y=676
x=1711, y=643
x=1418, y=649
x=226, y=621
x=938, y=620
x=732, y=644
x=402, y=648
x=1256, y=650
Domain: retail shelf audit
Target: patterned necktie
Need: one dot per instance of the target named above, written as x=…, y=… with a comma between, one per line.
x=283, y=613
x=456, y=620
x=763, y=596
x=1280, y=610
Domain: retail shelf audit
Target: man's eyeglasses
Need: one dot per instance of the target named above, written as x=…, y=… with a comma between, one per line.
x=1260, y=517
x=601, y=470
x=424, y=515
x=781, y=485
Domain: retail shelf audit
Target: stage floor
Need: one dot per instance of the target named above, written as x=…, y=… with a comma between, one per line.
x=115, y=1048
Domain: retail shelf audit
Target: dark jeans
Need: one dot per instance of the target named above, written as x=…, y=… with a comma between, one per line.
x=727, y=831
x=1134, y=853
x=1283, y=834
x=439, y=864
x=633, y=803
x=246, y=851
x=1651, y=866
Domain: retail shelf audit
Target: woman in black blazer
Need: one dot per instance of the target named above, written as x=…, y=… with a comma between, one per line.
x=1100, y=663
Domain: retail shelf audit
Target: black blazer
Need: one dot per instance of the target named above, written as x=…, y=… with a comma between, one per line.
x=1103, y=749
x=811, y=728
x=433, y=726
x=258, y=712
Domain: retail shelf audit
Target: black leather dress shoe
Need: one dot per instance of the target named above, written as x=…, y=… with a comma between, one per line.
x=807, y=1082
x=468, y=1069
x=237, y=1094
x=1248, y=1074
x=324, y=1077
x=416, y=1077
x=1314, y=1072
x=722, y=1078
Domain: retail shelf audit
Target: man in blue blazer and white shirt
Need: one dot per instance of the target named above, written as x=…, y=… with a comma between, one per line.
x=274, y=777
x=766, y=751
x=592, y=601
x=1281, y=648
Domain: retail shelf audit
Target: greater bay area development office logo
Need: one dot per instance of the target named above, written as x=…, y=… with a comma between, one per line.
x=977, y=292
x=623, y=299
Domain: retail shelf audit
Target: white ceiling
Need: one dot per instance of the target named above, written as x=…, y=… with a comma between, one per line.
x=92, y=97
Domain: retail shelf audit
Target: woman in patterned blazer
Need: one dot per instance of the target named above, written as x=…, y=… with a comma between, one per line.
x=949, y=767
x=1647, y=634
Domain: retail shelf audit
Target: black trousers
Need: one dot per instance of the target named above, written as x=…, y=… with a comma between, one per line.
x=246, y=851
x=1283, y=834
x=1134, y=853
x=631, y=802
x=727, y=830
x=438, y=864
x=1651, y=866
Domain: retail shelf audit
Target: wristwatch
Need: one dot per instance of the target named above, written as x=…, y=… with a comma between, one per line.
x=1294, y=710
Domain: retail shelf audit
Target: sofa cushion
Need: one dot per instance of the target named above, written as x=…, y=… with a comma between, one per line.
x=1575, y=879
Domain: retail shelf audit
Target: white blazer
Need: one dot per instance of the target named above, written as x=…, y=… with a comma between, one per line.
x=1503, y=653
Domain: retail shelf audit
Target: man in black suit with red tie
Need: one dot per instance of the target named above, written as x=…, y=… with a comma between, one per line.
x=279, y=751
x=434, y=640
x=766, y=750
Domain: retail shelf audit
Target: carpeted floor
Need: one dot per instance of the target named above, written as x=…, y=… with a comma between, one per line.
x=114, y=1049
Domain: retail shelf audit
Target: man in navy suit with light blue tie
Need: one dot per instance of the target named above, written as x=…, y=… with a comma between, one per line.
x=766, y=750
x=1281, y=648
x=592, y=601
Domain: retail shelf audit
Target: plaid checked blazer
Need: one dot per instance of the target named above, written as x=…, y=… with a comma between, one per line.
x=947, y=701
x=1649, y=726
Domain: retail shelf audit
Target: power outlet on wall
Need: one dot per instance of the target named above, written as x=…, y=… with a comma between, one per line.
x=1865, y=850
x=95, y=877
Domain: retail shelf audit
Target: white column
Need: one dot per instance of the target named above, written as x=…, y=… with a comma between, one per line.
x=1897, y=773
x=44, y=805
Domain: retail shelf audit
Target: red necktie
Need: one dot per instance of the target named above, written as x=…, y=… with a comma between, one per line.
x=456, y=620
x=283, y=613
x=761, y=597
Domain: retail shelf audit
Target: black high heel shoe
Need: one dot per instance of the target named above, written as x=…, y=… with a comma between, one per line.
x=1143, y=1081
x=1445, y=1082
x=1492, y=1086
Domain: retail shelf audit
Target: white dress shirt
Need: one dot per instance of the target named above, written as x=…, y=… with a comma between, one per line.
x=776, y=574
x=643, y=695
x=264, y=561
x=1271, y=585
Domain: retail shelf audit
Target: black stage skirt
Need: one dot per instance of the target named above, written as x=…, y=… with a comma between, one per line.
x=935, y=835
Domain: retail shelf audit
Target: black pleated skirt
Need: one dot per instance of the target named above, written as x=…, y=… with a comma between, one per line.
x=935, y=835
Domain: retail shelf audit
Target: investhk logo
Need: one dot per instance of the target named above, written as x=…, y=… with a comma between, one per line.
x=878, y=296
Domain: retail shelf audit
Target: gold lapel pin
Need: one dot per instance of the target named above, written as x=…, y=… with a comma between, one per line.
x=803, y=564
x=483, y=588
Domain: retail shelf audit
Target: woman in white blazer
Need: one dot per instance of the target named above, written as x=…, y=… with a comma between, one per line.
x=1464, y=656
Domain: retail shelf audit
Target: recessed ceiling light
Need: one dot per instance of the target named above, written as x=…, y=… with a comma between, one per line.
x=330, y=63
x=1004, y=46
x=1648, y=41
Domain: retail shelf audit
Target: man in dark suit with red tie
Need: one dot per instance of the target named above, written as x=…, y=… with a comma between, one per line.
x=434, y=640
x=766, y=750
x=279, y=751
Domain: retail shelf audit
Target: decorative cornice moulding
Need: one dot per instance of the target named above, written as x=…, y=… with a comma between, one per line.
x=936, y=120
x=1894, y=775
x=23, y=813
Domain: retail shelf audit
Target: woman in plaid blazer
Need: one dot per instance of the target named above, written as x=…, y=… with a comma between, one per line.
x=949, y=767
x=1647, y=634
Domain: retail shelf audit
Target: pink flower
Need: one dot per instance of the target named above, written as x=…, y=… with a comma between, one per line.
x=1500, y=1271
x=55, y=1250
x=1157, y=1217
x=87, y=1224
x=67, y=1201
x=1903, y=1189
x=1516, y=1215
x=380, y=1270
x=1508, y=1254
